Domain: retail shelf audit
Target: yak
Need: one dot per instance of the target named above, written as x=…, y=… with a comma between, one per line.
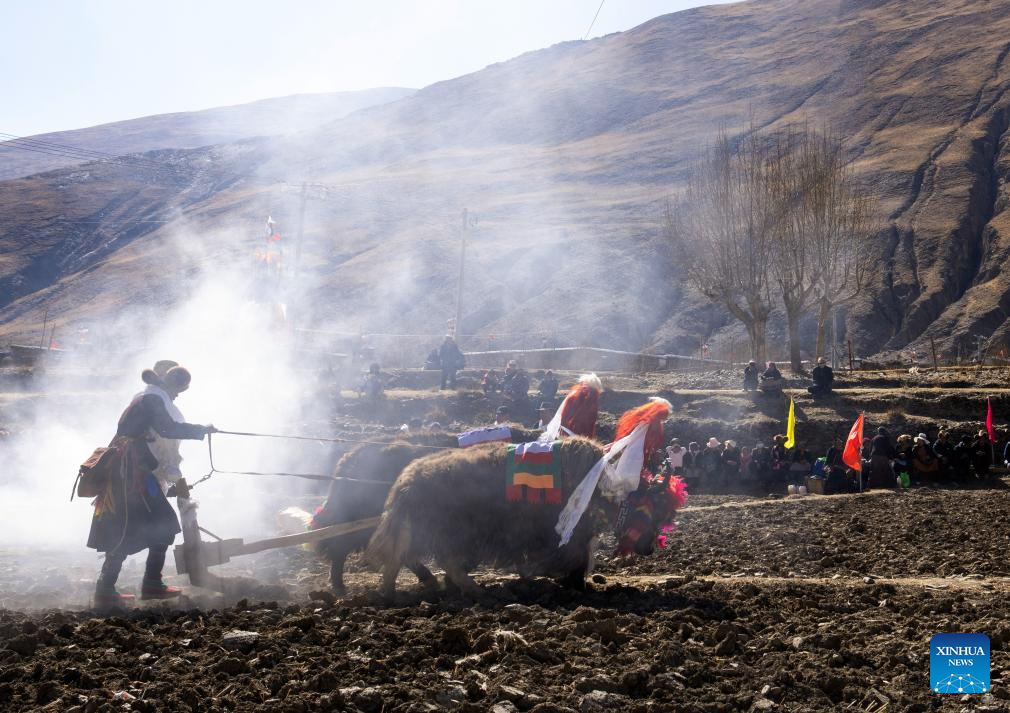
x=451, y=506
x=362, y=478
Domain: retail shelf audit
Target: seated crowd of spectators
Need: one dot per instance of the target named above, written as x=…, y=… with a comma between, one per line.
x=723, y=465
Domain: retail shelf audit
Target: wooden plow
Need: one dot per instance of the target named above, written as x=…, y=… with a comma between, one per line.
x=195, y=555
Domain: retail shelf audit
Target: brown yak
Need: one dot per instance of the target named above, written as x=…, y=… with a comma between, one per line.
x=362, y=478
x=452, y=506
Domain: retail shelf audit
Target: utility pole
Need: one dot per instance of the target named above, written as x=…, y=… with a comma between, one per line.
x=459, y=282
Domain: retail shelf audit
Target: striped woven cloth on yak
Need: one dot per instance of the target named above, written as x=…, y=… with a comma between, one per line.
x=484, y=435
x=536, y=469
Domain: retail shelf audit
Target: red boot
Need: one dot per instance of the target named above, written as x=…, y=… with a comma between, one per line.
x=113, y=600
x=158, y=590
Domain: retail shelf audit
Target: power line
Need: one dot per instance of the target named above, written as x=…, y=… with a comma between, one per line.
x=594, y=19
x=22, y=143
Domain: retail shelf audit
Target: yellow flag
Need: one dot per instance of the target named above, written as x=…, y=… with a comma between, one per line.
x=791, y=426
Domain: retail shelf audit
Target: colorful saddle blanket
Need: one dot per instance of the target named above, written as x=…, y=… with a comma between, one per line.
x=533, y=473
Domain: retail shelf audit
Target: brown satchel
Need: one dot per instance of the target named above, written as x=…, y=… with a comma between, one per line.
x=94, y=474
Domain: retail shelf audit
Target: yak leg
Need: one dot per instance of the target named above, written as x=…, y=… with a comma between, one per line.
x=576, y=579
x=457, y=573
x=338, y=557
x=389, y=573
x=424, y=575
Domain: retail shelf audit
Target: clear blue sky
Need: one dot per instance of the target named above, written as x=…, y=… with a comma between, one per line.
x=75, y=63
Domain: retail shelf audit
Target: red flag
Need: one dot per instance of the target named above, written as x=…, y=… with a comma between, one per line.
x=988, y=422
x=851, y=455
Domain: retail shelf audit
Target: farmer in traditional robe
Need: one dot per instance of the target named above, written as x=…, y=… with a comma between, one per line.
x=133, y=513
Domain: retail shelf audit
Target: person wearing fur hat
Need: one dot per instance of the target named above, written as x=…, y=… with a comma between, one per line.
x=133, y=514
x=925, y=464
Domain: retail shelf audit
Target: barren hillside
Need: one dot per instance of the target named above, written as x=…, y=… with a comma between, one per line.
x=182, y=130
x=566, y=156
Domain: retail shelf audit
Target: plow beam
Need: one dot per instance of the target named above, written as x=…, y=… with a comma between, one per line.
x=194, y=556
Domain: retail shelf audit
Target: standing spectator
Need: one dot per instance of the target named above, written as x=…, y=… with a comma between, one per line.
x=924, y=461
x=675, y=457
x=823, y=377
x=730, y=464
x=881, y=453
x=981, y=455
x=451, y=359
x=750, y=376
x=548, y=388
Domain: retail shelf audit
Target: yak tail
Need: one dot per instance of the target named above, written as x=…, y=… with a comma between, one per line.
x=391, y=539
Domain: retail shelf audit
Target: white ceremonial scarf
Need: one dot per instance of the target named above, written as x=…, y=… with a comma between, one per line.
x=166, y=450
x=616, y=483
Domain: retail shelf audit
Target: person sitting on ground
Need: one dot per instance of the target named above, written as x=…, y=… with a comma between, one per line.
x=411, y=427
x=548, y=388
x=881, y=453
x=835, y=480
x=432, y=363
x=501, y=415
x=903, y=461
x=675, y=457
x=545, y=413
x=771, y=379
x=761, y=466
x=518, y=388
x=823, y=377
x=944, y=451
x=981, y=455
x=800, y=463
x=746, y=457
x=489, y=383
x=750, y=376
x=371, y=386
x=692, y=471
x=730, y=469
x=962, y=458
x=925, y=466
x=780, y=459
x=709, y=462
x=451, y=360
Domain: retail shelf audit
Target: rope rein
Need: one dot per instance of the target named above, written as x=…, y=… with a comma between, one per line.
x=306, y=476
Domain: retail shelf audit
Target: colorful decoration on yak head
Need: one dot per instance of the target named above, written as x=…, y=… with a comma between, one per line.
x=533, y=468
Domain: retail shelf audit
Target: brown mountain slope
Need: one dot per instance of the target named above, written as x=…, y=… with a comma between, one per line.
x=566, y=156
x=191, y=129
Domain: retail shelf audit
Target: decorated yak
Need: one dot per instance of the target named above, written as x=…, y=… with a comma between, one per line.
x=533, y=508
x=362, y=478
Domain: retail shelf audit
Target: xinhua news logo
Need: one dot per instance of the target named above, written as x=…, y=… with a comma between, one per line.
x=959, y=663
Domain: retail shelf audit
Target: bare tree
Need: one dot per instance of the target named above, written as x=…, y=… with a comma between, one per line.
x=794, y=168
x=723, y=226
x=842, y=228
